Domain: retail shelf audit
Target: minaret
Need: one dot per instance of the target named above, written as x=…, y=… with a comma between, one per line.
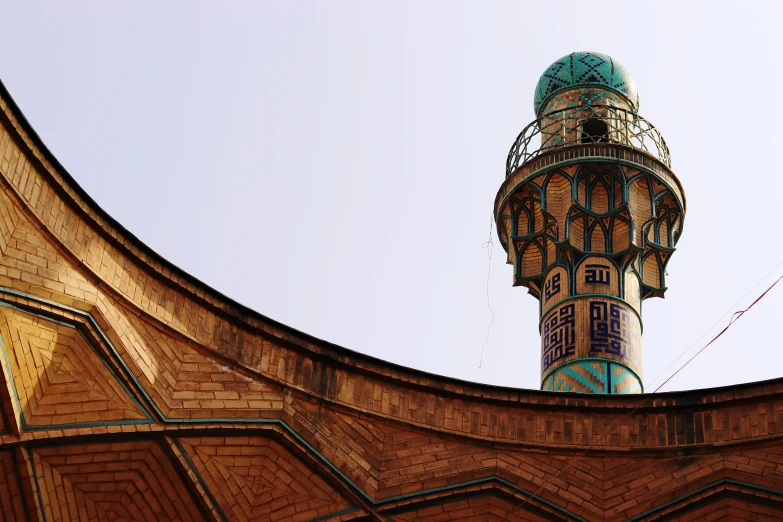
x=589, y=215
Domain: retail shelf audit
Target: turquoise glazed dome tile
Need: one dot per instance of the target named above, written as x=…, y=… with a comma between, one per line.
x=585, y=68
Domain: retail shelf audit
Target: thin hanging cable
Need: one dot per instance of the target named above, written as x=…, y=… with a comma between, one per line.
x=732, y=307
x=488, y=247
x=735, y=316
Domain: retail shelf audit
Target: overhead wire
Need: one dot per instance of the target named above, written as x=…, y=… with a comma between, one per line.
x=487, y=245
x=732, y=307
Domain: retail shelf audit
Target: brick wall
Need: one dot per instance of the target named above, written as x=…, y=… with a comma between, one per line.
x=133, y=392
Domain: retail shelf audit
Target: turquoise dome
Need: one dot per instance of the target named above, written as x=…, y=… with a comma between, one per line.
x=585, y=69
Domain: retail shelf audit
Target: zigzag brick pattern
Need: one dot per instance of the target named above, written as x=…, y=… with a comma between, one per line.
x=120, y=481
x=58, y=377
x=483, y=508
x=257, y=479
x=121, y=366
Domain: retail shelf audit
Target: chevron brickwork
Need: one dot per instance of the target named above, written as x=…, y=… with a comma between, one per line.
x=131, y=391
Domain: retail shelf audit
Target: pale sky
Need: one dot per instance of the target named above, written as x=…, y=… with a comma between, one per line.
x=333, y=165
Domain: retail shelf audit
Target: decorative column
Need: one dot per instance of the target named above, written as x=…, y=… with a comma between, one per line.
x=589, y=215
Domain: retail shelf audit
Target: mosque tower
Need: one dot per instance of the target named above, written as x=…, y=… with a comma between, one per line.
x=589, y=215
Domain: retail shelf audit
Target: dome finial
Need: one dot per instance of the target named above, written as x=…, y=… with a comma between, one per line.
x=585, y=69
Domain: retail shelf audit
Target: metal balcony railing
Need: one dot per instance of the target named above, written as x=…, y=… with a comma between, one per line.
x=587, y=124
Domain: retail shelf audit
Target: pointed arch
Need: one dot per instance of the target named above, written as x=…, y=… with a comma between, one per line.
x=652, y=270
x=557, y=200
x=531, y=259
x=598, y=237
x=575, y=229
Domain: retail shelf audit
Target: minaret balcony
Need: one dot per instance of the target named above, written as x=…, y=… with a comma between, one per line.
x=587, y=131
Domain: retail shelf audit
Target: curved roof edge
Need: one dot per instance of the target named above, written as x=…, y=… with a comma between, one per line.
x=235, y=312
x=93, y=205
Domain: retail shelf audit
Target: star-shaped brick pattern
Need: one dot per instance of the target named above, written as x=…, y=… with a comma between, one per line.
x=58, y=378
x=255, y=478
x=118, y=482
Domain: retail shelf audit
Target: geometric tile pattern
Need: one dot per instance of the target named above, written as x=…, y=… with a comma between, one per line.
x=58, y=377
x=590, y=326
x=590, y=376
x=583, y=68
x=578, y=377
x=257, y=479
x=116, y=481
x=624, y=380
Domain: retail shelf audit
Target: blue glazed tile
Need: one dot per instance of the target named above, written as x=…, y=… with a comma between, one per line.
x=585, y=68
